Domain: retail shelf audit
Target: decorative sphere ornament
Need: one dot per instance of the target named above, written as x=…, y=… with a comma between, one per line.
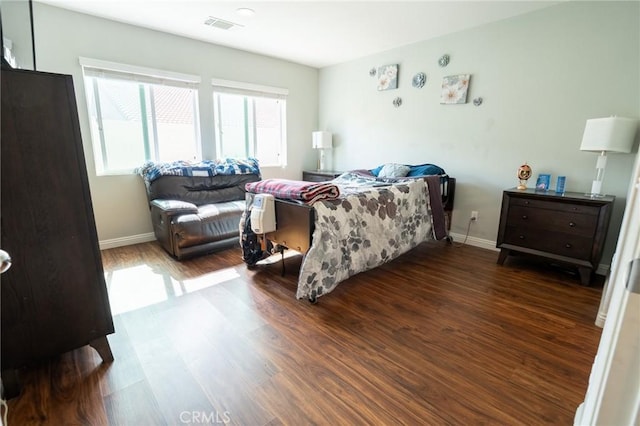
x=444, y=60
x=524, y=173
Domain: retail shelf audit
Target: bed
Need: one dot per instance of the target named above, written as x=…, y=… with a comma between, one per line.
x=372, y=221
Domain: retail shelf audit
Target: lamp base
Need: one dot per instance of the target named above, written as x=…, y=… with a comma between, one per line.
x=596, y=188
x=322, y=161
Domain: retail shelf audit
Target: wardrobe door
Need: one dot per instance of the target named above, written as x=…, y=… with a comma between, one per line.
x=53, y=298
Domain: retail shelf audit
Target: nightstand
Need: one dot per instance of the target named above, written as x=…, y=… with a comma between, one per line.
x=569, y=228
x=319, y=175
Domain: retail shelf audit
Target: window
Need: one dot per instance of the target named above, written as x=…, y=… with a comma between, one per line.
x=250, y=121
x=138, y=114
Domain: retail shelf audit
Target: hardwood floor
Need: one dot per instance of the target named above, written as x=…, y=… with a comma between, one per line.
x=441, y=335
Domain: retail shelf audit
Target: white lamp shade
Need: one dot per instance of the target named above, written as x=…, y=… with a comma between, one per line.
x=322, y=140
x=612, y=134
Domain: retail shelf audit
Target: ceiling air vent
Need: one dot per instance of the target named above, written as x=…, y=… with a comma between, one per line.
x=220, y=23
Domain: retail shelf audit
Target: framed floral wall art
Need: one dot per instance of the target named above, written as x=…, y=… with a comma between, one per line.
x=454, y=89
x=388, y=77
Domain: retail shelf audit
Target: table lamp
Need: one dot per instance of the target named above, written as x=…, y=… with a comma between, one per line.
x=322, y=141
x=610, y=134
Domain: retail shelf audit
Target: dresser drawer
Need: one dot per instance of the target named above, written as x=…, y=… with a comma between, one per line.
x=557, y=206
x=568, y=245
x=555, y=221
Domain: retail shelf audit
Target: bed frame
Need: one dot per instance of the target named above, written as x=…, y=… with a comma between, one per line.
x=296, y=222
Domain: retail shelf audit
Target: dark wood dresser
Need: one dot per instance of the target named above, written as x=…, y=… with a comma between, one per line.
x=319, y=175
x=568, y=228
x=54, y=297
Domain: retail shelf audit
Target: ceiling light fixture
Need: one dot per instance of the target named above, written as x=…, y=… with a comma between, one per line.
x=214, y=22
x=245, y=11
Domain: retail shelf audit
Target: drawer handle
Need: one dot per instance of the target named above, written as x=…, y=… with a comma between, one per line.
x=567, y=245
x=521, y=237
x=571, y=224
x=526, y=202
x=525, y=217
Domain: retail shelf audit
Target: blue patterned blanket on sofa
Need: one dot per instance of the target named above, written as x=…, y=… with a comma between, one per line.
x=151, y=171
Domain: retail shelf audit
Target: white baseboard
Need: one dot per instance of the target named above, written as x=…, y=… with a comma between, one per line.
x=603, y=269
x=474, y=241
x=126, y=241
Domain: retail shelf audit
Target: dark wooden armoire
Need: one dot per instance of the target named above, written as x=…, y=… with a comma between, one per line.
x=53, y=298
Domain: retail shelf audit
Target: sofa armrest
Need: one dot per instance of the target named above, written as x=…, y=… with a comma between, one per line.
x=162, y=214
x=173, y=207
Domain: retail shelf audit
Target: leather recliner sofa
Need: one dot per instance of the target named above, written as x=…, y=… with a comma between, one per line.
x=194, y=215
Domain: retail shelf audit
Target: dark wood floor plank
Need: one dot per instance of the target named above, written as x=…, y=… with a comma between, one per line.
x=172, y=384
x=134, y=405
x=440, y=335
x=392, y=373
x=65, y=390
x=327, y=388
x=128, y=370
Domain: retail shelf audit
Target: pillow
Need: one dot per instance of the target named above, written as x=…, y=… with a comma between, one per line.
x=425, y=169
x=376, y=170
x=393, y=170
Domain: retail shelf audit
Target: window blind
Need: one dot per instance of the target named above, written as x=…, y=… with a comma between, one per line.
x=248, y=89
x=116, y=71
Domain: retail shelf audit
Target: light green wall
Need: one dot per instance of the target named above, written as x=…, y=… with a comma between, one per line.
x=119, y=202
x=16, y=26
x=541, y=75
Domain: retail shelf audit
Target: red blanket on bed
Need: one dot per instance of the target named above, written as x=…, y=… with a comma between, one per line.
x=307, y=192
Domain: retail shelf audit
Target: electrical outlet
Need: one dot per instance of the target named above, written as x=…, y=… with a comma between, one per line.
x=474, y=215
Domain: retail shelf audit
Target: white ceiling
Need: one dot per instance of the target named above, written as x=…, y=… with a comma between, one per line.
x=313, y=33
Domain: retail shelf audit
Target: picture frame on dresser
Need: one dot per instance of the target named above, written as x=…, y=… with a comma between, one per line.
x=543, y=182
x=568, y=228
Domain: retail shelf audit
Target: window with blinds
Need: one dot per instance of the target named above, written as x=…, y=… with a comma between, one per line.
x=250, y=121
x=139, y=114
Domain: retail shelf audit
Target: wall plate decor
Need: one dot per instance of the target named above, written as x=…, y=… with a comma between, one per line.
x=373, y=72
x=444, y=60
x=477, y=101
x=419, y=80
x=454, y=89
x=397, y=102
x=388, y=77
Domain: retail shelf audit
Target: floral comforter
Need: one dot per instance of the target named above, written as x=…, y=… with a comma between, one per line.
x=369, y=226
